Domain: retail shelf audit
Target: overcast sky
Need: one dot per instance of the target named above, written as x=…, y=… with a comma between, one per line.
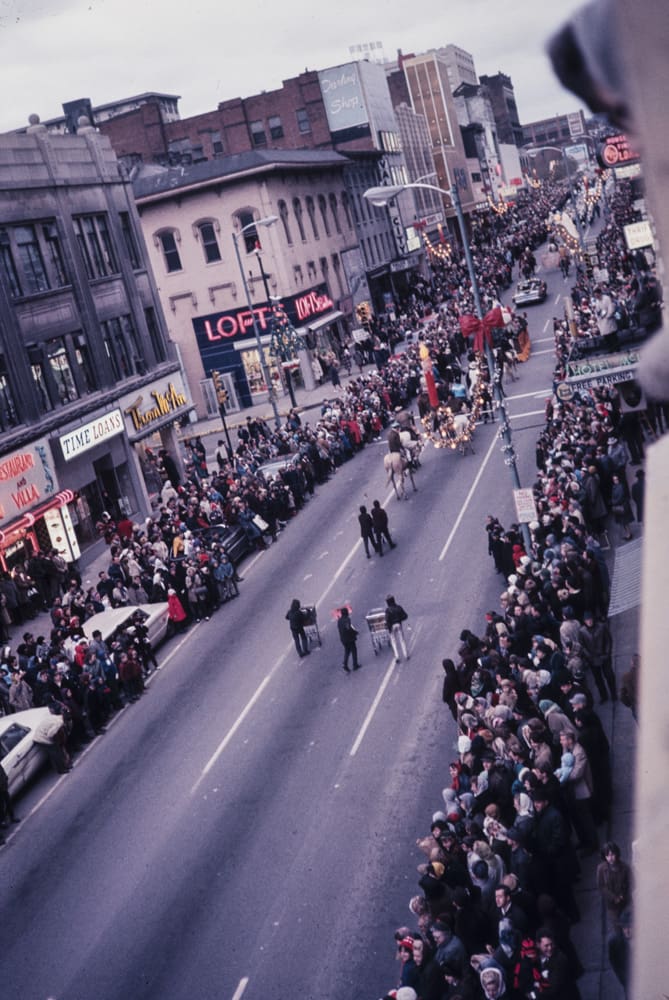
x=211, y=50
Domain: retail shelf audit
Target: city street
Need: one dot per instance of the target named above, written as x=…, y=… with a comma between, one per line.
x=246, y=828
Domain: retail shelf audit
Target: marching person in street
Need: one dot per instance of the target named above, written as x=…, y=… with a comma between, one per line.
x=295, y=619
x=395, y=615
x=367, y=531
x=380, y=522
x=349, y=638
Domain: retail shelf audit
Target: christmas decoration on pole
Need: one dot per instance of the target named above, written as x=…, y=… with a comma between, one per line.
x=285, y=341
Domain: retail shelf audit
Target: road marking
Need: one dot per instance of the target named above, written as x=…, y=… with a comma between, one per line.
x=548, y=350
x=235, y=726
x=467, y=500
x=243, y=983
x=528, y=413
x=557, y=298
x=263, y=684
x=368, y=718
x=528, y=395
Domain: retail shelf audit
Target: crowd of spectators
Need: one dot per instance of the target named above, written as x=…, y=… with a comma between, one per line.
x=529, y=791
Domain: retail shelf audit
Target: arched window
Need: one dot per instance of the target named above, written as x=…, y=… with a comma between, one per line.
x=311, y=212
x=334, y=208
x=297, y=209
x=347, y=209
x=167, y=240
x=283, y=214
x=246, y=221
x=323, y=209
x=205, y=230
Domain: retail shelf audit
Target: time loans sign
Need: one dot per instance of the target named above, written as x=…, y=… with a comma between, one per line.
x=91, y=434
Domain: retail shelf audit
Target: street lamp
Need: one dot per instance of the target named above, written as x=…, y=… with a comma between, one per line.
x=380, y=196
x=267, y=221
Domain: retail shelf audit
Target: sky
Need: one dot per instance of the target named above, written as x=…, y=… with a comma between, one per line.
x=208, y=51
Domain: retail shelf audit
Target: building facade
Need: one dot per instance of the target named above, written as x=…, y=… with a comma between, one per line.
x=189, y=215
x=505, y=110
x=87, y=375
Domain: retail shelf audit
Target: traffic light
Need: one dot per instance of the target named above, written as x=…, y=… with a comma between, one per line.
x=221, y=391
x=363, y=312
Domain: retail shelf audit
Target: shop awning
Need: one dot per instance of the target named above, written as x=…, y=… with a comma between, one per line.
x=318, y=324
x=28, y=519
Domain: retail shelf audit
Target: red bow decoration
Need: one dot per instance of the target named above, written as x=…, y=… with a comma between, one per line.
x=481, y=329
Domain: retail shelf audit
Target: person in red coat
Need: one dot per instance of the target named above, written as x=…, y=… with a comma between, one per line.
x=175, y=611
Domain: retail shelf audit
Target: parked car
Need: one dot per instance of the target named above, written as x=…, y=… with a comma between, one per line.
x=270, y=469
x=20, y=757
x=153, y=617
x=530, y=292
x=234, y=540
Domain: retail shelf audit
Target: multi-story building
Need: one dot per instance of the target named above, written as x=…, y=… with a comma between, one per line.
x=505, y=110
x=459, y=66
x=422, y=82
x=189, y=215
x=560, y=129
x=87, y=375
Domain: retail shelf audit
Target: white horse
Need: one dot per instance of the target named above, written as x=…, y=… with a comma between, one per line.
x=413, y=447
x=463, y=433
x=398, y=468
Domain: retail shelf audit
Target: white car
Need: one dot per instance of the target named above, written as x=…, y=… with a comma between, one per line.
x=20, y=757
x=154, y=618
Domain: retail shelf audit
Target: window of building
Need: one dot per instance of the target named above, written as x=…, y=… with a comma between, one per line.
x=297, y=272
x=168, y=243
x=8, y=266
x=117, y=348
x=95, y=245
x=257, y=130
x=41, y=386
x=246, y=221
x=297, y=209
x=311, y=212
x=130, y=241
x=209, y=240
x=82, y=356
x=347, y=209
x=54, y=255
x=283, y=215
x=30, y=260
x=336, y=265
x=323, y=209
x=476, y=177
x=61, y=370
x=275, y=127
x=334, y=208
x=157, y=342
x=216, y=144
x=8, y=414
x=303, y=123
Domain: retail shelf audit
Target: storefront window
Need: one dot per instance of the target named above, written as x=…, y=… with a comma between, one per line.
x=254, y=373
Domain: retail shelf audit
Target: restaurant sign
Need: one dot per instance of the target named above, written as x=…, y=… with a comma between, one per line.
x=27, y=478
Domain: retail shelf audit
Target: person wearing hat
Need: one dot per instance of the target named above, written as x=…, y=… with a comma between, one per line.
x=597, y=645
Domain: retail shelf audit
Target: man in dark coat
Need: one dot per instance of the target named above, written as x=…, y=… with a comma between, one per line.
x=380, y=522
x=367, y=531
x=349, y=638
x=557, y=980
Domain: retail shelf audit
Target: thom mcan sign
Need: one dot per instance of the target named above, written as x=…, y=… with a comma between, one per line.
x=145, y=412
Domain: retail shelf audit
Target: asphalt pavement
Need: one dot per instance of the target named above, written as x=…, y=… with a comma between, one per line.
x=247, y=828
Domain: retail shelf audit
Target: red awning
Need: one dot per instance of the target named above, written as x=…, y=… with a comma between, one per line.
x=28, y=519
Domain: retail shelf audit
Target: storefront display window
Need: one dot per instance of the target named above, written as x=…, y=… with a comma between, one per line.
x=253, y=371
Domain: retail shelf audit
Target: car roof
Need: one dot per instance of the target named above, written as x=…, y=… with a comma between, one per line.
x=108, y=621
x=30, y=718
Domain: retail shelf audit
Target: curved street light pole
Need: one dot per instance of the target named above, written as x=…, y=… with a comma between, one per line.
x=380, y=196
x=268, y=221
